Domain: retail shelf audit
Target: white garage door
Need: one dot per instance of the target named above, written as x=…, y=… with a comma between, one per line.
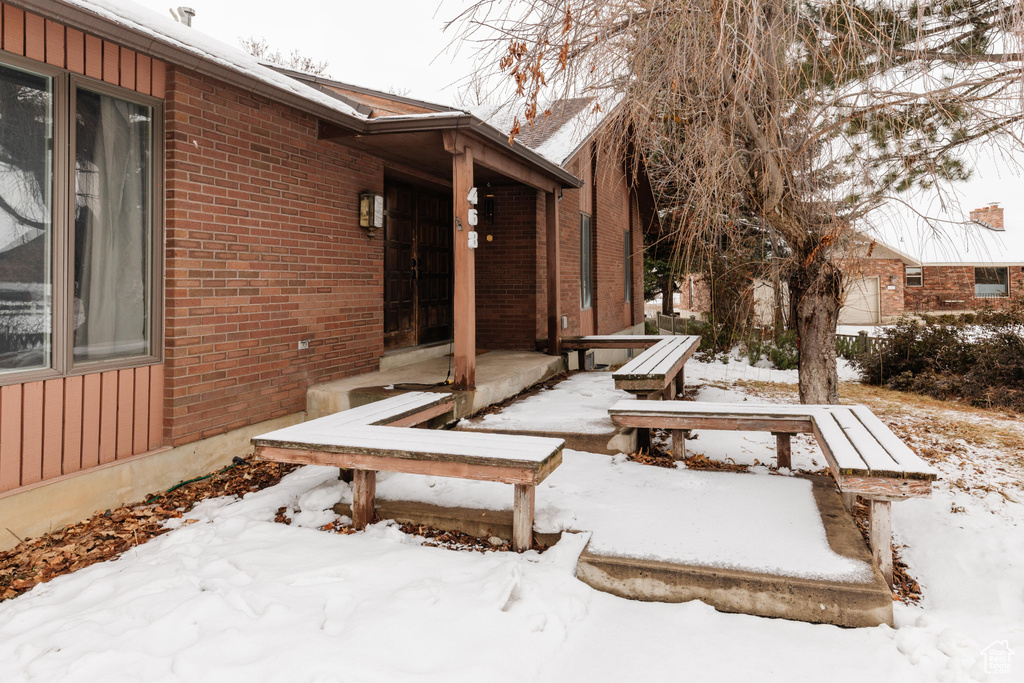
x=861, y=304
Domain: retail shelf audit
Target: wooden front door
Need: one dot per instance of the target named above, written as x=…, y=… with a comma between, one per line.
x=417, y=265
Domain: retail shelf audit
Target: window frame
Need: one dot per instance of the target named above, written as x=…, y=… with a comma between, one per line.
x=907, y=275
x=1004, y=295
x=586, y=262
x=61, y=362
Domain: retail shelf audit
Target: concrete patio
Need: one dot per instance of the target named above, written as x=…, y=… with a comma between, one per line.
x=499, y=375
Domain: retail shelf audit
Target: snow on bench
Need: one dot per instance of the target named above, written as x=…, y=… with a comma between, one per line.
x=659, y=368
x=366, y=440
x=863, y=454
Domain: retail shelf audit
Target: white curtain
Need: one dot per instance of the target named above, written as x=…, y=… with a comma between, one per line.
x=112, y=227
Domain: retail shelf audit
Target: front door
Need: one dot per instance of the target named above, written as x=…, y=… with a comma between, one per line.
x=417, y=265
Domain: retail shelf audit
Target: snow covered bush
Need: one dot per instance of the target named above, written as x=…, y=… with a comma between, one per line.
x=978, y=358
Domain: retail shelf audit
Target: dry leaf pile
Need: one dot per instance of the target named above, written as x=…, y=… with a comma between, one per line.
x=107, y=535
x=904, y=586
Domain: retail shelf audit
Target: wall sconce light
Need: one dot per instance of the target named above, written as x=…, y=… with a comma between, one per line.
x=371, y=212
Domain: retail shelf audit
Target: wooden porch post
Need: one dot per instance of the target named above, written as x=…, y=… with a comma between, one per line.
x=552, y=242
x=465, y=272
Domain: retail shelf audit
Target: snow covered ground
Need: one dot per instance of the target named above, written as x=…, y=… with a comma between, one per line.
x=235, y=596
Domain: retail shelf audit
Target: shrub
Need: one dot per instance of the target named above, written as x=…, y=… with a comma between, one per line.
x=977, y=358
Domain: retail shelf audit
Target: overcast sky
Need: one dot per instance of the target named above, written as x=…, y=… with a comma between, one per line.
x=393, y=45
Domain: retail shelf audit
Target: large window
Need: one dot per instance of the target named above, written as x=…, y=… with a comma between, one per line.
x=78, y=224
x=26, y=225
x=991, y=283
x=586, y=262
x=914, y=276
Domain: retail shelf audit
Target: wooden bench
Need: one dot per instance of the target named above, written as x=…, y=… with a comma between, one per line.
x=608, y=341
x=659, y=369
x=863, y=454
x=353, y=442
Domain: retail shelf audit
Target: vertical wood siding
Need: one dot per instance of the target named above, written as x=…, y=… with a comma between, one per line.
x=29, y=35
x=61, y=426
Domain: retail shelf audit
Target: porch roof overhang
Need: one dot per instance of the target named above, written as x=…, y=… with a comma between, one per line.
x=427, y=141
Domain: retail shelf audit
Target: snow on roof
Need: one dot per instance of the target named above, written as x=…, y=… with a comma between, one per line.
x=934, y=228
x=558, y=134
x=166, y=30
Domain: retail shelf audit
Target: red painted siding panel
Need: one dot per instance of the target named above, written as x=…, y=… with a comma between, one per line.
x=140, y=430
x=111, y=63
x=75, y=51
x=156, y=406
x=93, y=57
x=14, y=30
x=72, y=458
x=35, y=37
x=127, y=69
x=108, y=417
x=53, y=427
x=31, y=433
x=143, y=74
x=125, y=412
x=55, y=49
x=10, y=445
x=92, y=392
x=159, y=76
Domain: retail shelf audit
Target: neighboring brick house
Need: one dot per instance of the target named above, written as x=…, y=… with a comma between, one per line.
x=948, y=262
x=193, y=219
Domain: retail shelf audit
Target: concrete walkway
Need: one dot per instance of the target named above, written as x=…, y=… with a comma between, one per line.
x=499, y=375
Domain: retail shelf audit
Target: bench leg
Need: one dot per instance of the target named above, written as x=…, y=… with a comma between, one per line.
x=783, y=450
x=880, y=535
x=522, y=517
x=680, y=384
x=849, y=500
x=364, y=491
x=679, y=444
x=670, y=391
x=643, y=434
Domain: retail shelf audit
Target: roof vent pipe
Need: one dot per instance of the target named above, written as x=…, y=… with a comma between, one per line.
x=183, y=15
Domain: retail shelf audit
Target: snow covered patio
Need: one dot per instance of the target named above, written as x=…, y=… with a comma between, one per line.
x=235, y=596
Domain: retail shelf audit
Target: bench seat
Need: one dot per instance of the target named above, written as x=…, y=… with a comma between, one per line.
x=863, y=454
x=366, y=440
x=657, y=368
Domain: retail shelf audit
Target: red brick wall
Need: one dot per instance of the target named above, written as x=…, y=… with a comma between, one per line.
x=890, y=273
x=263, y=250
x=506, y=271
x=945, y=288
x=612, y=207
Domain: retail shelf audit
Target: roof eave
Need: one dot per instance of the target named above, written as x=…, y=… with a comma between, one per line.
x=101, y=27
x=415, y=124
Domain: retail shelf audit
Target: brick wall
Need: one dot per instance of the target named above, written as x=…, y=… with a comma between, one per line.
x=506, y=272
x=946, y=288
x=263, y=250
x=612, y=206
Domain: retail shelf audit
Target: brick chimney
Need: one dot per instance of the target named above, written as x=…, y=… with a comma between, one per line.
x=991, y=216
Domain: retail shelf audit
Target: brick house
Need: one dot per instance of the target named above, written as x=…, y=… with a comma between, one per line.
x=189, y=240
x=948, y=262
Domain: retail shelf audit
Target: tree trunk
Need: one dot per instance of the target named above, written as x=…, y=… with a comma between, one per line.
x=817, y=293
x=668, y=292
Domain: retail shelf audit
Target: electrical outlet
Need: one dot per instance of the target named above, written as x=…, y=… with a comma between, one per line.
x=303, y=344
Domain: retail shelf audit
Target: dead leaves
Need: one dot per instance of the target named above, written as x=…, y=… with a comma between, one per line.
x=107, y=535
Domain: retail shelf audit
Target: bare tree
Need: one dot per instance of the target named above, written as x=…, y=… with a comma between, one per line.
x=260, y=49
x=797, y=118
